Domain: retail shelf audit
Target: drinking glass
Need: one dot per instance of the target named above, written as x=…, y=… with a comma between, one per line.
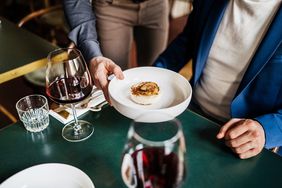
x=154, y=153
x=68, y=81
x=33, y=111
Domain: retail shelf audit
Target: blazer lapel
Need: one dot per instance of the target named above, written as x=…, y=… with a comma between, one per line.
x=209, y=32
x=269, y=44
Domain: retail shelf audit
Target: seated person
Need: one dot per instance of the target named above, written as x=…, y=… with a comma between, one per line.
x=236, y=48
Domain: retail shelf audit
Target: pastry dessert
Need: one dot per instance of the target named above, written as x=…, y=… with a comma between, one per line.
x=145, y=93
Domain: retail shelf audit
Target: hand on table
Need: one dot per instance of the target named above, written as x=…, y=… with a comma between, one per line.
x=244, y=136
x=100, y=68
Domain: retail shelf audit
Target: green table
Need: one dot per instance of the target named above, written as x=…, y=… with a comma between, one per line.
x=21, y=52
x=209, y=163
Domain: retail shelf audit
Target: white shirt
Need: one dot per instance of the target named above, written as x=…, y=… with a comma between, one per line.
x=241, y=30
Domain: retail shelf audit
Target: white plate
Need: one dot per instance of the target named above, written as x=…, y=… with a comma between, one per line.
x=50, y=175
x=175, y=92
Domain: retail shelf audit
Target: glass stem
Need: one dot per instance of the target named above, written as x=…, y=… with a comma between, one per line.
x=76, y=127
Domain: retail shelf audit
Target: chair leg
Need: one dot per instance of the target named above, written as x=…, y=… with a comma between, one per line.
x=7, y=113
x=275, y=150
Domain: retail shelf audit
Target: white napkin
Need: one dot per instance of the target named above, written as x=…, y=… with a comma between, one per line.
x=98, y=99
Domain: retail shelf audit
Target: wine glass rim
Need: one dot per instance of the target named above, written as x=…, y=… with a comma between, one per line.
x=165, y=142
x=29, y=96
x=77, y=51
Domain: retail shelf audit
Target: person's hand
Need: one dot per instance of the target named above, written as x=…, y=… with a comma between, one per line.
x=244, y=136
x=100, y=69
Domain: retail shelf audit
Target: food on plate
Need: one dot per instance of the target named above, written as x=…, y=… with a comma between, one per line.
x=145, y=93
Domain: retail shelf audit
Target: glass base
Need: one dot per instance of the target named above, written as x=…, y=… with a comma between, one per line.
x=84, y=131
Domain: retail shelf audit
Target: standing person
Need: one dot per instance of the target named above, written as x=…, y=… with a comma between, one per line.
x=118, y=22
x=121, y=21
x=236, y=48
x=83, y=33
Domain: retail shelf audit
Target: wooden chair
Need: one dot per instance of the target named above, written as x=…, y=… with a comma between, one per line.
x=49, y=23
x=8, y=115
x=34, y=4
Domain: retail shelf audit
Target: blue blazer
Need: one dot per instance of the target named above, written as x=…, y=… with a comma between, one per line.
x=259, y=95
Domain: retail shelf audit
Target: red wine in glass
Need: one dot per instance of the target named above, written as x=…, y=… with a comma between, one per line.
x=68, y=81
x=68, y=90
x=153, y=155
x=154, y=168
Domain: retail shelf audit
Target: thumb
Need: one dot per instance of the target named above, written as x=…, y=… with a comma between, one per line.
x=116, y=70
x=225, y=127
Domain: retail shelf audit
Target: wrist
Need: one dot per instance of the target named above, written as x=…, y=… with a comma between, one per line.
x=95, y=59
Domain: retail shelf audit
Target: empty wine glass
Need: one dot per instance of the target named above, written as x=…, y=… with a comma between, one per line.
x=68, y=81
x=154, y=153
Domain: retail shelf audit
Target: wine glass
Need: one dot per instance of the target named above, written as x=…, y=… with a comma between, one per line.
x=68, y=81
x=154, y=153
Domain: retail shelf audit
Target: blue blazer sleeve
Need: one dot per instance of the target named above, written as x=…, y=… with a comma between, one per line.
x=82, y=21
x=261, y=99
x=272, y=124
x=184, y=47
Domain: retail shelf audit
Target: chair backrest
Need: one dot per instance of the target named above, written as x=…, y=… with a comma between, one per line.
x=49, y=23
x=40, y=4
x=38, y=13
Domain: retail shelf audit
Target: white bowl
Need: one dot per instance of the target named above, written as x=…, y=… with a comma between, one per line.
x=175, y=92
x=49, y=175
